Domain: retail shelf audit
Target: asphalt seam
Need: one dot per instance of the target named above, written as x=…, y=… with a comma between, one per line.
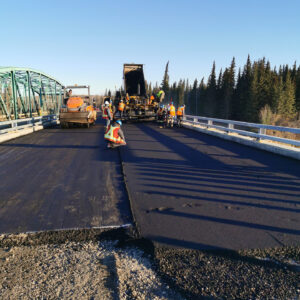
x=137, y=231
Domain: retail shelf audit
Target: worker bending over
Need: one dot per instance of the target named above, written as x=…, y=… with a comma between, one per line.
x=114, y=135
x=107, y=113
x=180, y=114
x=171, y=115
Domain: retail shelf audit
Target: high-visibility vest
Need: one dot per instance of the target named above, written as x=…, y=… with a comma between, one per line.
x=180, y=111
x=105, y=113
x=112, y=134
x=121, y=106
x=159, y=93
x=172, y=111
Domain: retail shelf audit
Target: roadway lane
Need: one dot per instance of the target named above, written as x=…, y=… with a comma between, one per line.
x=59, y=179
x=196, y=191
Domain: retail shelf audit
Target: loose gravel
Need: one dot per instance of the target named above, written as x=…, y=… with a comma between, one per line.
x=76, y=270
x=88, y=264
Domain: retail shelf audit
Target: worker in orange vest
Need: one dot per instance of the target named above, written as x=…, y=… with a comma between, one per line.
x=152, y=98
x=171, y=115
x=180, y=113
x=107, y=113
x=121, y=108
x=114, y=135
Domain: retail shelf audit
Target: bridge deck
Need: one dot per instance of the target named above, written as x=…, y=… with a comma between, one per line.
x=56, y=179
x=186, y=189
x=193, y=190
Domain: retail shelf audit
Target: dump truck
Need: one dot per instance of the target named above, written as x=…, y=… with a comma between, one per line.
x=77, y=109
x=137, y=101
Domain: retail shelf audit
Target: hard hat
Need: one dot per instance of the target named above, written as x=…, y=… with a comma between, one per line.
x=121, y=100
x=119, y=122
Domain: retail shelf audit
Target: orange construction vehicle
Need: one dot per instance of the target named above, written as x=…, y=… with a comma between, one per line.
x=78, y=110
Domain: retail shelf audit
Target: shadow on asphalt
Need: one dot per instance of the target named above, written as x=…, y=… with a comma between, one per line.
x=212, y=170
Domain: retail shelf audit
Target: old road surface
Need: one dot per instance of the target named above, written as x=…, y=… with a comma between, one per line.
x=186, y=189
x=61, y=179
x=196, y=191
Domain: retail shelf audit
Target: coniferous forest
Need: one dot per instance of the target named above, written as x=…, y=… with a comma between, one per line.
x=255, y=93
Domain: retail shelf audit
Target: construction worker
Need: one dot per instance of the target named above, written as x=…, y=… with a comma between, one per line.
x=68, y=95
x=114, y=135
x=171, y=115
x=164, y=116
x=180, y=113
x=160, y=96
x=159, y=113
x=152, y=98
x=121, y=108
x=107, y=113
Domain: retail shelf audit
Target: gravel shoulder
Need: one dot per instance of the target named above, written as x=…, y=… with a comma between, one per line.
x=115, y=264
x=77, y=269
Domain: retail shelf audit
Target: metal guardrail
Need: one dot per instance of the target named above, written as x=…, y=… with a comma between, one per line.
x=20, y=124
x=230, y=128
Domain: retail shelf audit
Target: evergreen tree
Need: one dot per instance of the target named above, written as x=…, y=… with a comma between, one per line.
x=165, y=83
x=286, y=104
x=202, y=95
x=227, y=91
x=180, y=91
x=297, y=92
x=211, y=93
x=279, y=93
x=193, y=97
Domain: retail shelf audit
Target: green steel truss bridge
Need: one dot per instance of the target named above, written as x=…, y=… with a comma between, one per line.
x=26, y=93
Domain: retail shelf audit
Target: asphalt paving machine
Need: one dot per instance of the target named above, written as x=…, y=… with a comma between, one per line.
x=138, y=103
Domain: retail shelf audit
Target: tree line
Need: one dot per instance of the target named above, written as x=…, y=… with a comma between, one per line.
x=242, y=96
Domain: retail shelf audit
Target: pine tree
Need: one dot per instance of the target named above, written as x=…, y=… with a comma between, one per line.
x=165, y=83
x=227, y=91
x=211, y=93
x=297, y=92
x=286, y=105
x=202, y=95
x=279, y=93
x=193, y=97
x=181, y=89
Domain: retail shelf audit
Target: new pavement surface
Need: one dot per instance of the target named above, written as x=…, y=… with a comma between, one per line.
x=196, y=191
x=59, y=179
x=186, y=189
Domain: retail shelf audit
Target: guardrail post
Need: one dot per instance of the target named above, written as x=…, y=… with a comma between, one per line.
x=230, y=126
x=209, y=123
x=262, y=131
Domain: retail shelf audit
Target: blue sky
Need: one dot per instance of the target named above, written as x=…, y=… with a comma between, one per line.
x=87, y=42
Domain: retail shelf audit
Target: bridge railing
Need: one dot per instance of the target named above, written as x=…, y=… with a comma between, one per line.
x=20, y=124
x=244, y=129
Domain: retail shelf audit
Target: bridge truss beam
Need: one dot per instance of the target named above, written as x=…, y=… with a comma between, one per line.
x=26, y=93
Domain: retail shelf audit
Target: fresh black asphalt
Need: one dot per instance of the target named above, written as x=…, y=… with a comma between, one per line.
x=186, y=189
x=60, y=179
x=196, y=191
